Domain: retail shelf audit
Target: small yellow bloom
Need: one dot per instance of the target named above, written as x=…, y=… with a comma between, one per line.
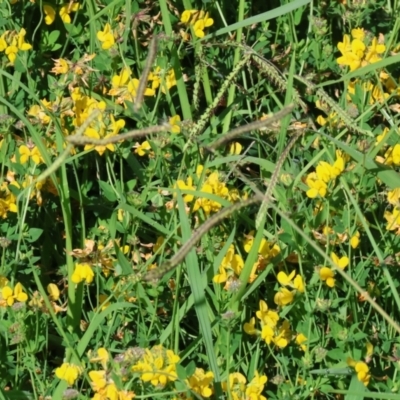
x=201, y=382
x=267, y=333
x=358, y=33
x=187, y=15
x=106, y=37
x=300, y=339
x=341, y=263
x=235, y=148
x=10, y=296
x=284, y=279
x=327, y=275
x=266, y=316
x=82, y=272
x=361, y=369
x=60, y=66
x=66, y=9
x=98, y=380
x=27, y=153
x=68, y=372
x=143, y=149
x=53, y=291
x=50, y=14
x=102, y=357
x=188, y=185
x=175, y=123
x=355, y=240
x=250, y=327
x=283, y=297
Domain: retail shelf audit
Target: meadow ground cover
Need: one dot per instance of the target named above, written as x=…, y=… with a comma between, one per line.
x=199, y=199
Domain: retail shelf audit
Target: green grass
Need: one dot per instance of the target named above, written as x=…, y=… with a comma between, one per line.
x=168, y=252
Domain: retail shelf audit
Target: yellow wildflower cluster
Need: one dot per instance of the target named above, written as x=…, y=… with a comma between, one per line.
x=326, y=235
x=232, y=264
x=393, y=217
x=211, y=185
x=270, y=331
x=64, y=12
x=266, y=252
x=8, y=200
x=230, y=268
x=285, y=296
x=9, y=296
x=11, y=42
x=361, y=369
x=101, y=381
x=106, y=37
x=324, y=174
x=355, y=52
x=103, y=126
x=124, y=87
x=157, y=366
x=327, y=274
x=94, y=254
x=68, y=372
x=239, y=389
x=199, y=20
x=201, y=382
x=38, y=304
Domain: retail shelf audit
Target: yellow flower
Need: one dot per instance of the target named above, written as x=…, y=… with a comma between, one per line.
x=267, y=333
x=82, y=272
x=50, y=13
x=93, y=133
x=3, y=43
x=106, y=37
x=284, y=334
x=157, y=366
x=21, y=41
x=284, y=279
x=250, y=327
x=236, y=386
x=53, y=291
x=60, y=66
x=66, y=9
x=98, y=380
x=393, y=220
x=358, y=33
x=317, y=186
x=235, y=148
x=392, y=155
x=283, y=297
x=10, y=296
x=187, y=15
x=201, y=382
x=102, y=357
x=255, y=387
x=327, y=275
x=26, y=153
x=11, y=51
x=355, y=240
x=201, y=24
x=300, y=339
x=266, y=316
x=361, y=369
x=175, y=123
x=143, y=149
x=68, y=372
x=3, y=281
x=187, y=198
x=374, y=50
x=341, y=263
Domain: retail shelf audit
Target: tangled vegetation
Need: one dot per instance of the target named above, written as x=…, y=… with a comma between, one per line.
x=199, y=199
